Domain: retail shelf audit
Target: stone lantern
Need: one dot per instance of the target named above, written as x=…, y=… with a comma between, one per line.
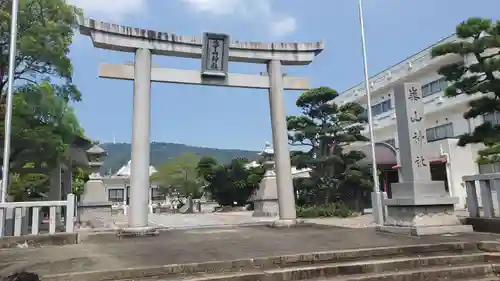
x=265, y=198
x=268, y=161
x=94, y=206
x=95, y=155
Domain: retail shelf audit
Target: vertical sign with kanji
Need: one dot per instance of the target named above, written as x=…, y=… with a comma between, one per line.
x=411, y=132
x=215, y=54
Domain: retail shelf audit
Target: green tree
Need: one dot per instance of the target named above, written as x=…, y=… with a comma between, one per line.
x=233, y=183
x=29, y=186
x=179, y=175
x=322, y=132
x=35, y=186
x=205, y=167
x=43, y=126
x=45, y=32
x=479, y=40
x=80, y=177
x=43, y=123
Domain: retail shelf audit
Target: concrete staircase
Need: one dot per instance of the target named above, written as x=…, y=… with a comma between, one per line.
x=433, y=262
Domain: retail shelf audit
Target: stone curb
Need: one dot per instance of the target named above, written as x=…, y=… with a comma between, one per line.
x=39, y=240
x=314, y=264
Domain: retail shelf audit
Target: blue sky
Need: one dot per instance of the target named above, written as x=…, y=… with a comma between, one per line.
x=239, y=118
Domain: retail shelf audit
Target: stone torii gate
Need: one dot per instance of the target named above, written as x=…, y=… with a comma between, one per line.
x=215, y=50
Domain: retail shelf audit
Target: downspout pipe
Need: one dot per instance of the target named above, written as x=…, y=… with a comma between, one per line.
x=449, y=181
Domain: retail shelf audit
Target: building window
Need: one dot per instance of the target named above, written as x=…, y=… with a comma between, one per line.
x=381, y=107
x=440, y=132
x=434, y=87
x=493, y=118
x=115, y=195
x=156, y=195
x=391, y=142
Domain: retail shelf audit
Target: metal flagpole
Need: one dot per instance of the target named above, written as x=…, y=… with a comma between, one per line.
x=378, y=215
x=8, y=109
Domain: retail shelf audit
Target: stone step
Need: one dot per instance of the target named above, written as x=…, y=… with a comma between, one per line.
x=474, y=272
x=299, y=272
x=491, y=278
x=438, y=273
x=279, y=262
x=374, y=266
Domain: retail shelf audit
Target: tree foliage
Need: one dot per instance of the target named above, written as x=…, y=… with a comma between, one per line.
x=43, y=126
x=479, y=40
x=179, y=175
x=42, y=119
x=324, y=130
x=45, y=32
x=205, y=167
x=230, y=184
x=80, y=177
x=29, y=186
x=43, y=122
x=36, y=186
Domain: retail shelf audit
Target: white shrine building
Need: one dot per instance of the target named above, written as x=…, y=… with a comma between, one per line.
x=443, y=117
x=118, y=188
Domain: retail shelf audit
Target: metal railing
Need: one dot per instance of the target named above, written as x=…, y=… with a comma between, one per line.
x=489, y=185
x=21, y=218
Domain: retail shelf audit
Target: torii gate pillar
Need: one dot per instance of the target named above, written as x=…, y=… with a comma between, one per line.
x=141, y=127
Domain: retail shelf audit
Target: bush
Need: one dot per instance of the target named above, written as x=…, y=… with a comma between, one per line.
x=338, y=209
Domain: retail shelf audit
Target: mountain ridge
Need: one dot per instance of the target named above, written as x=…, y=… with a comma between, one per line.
x=161, y=152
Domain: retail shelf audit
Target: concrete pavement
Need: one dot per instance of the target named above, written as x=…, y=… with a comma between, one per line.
x=183, y=221
x=106, y=251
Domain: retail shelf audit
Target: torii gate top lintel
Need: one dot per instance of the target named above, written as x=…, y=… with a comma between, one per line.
x=128, y=39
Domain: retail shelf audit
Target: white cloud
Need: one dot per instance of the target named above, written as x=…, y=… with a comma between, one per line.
x=249, y=10
x=110, y=9
x=283, y=26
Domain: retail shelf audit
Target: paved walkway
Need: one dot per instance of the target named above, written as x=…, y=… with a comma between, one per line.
x=106, y=251
x=205, y=219
x=182, y=221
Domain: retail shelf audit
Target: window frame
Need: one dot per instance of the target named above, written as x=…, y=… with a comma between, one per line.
x=495, y=118
x=448, y=132
x=116, y=199
x=381, y=107
x=434, y=87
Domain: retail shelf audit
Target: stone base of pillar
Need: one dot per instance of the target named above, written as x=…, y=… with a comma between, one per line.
x=423, y=231
x=284, y=223
x=423, y=220
x=429, y=212
x=265, y=199
x=94, y=209
x=132, y=232
x=95, y=214
x=265, y=208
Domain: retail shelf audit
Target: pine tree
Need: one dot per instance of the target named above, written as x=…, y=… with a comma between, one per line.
x=477, y=74
x=325, y=129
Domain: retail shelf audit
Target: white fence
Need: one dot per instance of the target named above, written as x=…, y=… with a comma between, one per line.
x=20, y=216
